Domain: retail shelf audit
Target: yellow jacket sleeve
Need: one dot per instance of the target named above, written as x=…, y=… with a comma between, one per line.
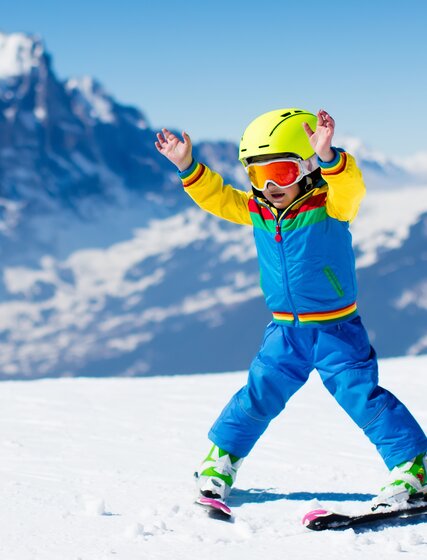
x=208, y=191
x=346, y=188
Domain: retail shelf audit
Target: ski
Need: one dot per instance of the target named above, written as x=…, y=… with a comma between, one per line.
x=215, y=508
x=320, y=519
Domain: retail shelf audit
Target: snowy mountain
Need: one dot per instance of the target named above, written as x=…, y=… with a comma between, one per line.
x=95, y=469
x=109, y=269
x=382, y=172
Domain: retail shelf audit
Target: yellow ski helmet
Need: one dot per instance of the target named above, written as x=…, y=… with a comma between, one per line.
x=278, y=132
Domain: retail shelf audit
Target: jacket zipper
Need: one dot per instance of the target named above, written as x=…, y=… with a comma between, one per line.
x=278, y=238
x=293, y=204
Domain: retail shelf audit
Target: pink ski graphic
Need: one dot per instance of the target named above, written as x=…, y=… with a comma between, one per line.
x=214, y=506
x=313, y=515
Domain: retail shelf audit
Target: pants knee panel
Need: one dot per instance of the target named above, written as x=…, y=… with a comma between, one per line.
x=358, y=393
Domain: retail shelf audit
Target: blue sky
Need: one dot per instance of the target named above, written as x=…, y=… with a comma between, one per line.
x=211, y=67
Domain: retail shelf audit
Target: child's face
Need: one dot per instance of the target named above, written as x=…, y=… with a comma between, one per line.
x=281, y=198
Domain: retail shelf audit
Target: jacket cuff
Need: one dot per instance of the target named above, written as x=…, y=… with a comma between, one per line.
x=336, y=165
x=192, y=174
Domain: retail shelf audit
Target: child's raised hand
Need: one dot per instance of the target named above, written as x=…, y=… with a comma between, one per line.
x=321, y=139
x=177, y=151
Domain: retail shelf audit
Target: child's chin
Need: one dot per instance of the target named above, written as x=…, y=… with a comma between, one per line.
x=278, y=200
x=280, y=204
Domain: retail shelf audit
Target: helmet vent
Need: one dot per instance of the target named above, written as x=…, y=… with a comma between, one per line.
x=286, y=116
x=264, y=146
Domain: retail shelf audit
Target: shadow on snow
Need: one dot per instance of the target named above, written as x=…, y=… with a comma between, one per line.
x=258, y=495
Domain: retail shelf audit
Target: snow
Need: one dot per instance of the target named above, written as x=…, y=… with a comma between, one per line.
x=10, y=212
x=97, y=469
x=19, y=53
x=40, y=113
x=101, y=107
x=360, y=151
x=417, y=163
x=385, y=219
x=419, y=347
x=75, y=290
x=417, y=296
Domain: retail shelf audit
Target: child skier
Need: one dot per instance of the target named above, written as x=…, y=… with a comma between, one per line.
x=304, y=195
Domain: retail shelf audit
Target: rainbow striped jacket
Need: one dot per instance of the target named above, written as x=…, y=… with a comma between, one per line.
x=307, y=265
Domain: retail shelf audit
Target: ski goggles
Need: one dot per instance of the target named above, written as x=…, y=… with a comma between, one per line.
x=283, y=172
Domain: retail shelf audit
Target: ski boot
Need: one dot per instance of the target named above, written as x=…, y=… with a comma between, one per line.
x=217, y=474
x=407, y=481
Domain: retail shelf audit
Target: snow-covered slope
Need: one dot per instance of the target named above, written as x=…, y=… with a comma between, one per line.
x=102, y=469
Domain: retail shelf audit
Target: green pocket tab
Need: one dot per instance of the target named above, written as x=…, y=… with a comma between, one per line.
x=331, y=276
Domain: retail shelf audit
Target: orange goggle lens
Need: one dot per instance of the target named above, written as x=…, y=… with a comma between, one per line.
x=281, y=172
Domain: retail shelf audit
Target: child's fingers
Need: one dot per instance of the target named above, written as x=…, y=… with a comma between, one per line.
x=307, y=129
x=160, y=138
x=325, y=117
x=168, y=134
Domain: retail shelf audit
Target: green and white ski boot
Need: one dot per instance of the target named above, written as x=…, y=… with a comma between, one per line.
x=217, y=474
x=406, y=481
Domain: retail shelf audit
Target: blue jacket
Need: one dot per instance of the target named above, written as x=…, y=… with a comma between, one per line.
x=305, y=254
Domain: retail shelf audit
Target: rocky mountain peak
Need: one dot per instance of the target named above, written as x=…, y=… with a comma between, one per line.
x=20, y=54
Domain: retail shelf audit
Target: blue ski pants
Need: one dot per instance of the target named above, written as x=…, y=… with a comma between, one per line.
x=347, y=365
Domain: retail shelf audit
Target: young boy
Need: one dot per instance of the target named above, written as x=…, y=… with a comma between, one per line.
x=304, y=195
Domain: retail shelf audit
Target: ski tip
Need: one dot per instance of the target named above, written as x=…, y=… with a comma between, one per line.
x=313, y=515
x=214, y=504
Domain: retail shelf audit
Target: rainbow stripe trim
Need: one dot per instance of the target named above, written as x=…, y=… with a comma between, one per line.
x=321, y=317
x=337, y=165
x=309, y=211
x=262, y=217
x=314, y=202
x=192, y=174
x=283, y=318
